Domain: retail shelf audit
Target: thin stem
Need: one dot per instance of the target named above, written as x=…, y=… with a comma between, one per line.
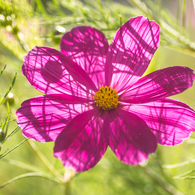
x=141, y=6
x=184, y=14
x=166, y=186
x=46, y=162
x=190, y=46
x=182, y=176
x=6, y=153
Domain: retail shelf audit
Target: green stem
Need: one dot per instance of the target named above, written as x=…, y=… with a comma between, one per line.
x=58, y=176
x=67, y=188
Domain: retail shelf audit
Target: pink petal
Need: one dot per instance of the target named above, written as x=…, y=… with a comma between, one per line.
x=130, y=52
x=81, y=144
x=130, y=138
x=51, y=72
x=160, y=84
x=171, y=121
x=87, y=47
x=43, y=118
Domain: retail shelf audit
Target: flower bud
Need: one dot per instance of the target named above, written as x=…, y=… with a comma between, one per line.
x=10, y=99
x=1, y=135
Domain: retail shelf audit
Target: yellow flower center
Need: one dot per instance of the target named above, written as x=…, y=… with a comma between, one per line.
x=106, y=98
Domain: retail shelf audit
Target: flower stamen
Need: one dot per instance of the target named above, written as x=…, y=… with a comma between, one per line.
x=106, y=98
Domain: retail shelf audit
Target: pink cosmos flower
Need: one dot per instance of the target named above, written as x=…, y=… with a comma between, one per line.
x=96, y=97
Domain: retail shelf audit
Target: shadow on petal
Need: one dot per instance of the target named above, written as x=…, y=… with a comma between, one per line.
x=130, y=138
x=81, y=144
x=42, y=118
x=49, y=71
x=159, y=84
x=171, y=121
x=87, y=47
x=130, y=52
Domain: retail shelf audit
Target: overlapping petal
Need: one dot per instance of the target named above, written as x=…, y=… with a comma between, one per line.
x=129, y=137
x=171, y=121
x=130, y=52
x=87, y=47
x=81, y=144
x=49, y=71
x=42, y=118
x=159, y=84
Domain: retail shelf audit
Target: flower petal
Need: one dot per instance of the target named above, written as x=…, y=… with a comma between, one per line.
x=130, y=138
x=87, y=47
x=130, y=52
x=81, y=144
x=42, y=118
x=159, y=84
x=49, y=71
x=171, y=121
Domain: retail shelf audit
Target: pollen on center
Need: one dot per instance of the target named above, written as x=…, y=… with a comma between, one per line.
x=106, y=98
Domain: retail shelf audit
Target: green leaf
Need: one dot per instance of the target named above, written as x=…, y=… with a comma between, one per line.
x=2, y=70
x=5, y=154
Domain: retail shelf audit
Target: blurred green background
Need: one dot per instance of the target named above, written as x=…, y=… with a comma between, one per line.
x=28, y=23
